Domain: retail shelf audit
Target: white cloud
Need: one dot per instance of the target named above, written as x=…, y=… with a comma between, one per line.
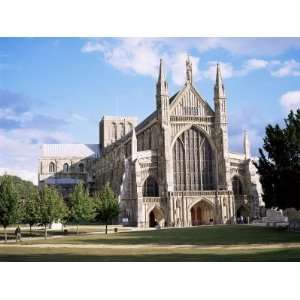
x=290, y=100
x=287, y=68
x=136, y=55
x=227, y=70
x=274, y=67
x=10, y=114
x=141, y=55
x=253, y=65
x=92, y=47
x=176, y=65
x=247, y=46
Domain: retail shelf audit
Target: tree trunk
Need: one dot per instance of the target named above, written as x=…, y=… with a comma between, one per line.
x=5, y=234
x=77, y=230
x=45, y=231
x=105, y=228
x=30, y=231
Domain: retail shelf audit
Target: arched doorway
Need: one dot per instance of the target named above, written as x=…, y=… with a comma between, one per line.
x=202, y=213
x=242, y=214
x=156, y=217
x=152, y=221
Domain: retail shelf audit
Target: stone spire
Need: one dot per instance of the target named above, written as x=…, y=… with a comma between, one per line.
x=189, y=71
x=219, y=86
x=221, y=127
x=162, y=85
x=246, y=145
x=133, y=145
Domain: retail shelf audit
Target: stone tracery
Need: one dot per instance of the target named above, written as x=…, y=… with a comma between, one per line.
x=193, y=162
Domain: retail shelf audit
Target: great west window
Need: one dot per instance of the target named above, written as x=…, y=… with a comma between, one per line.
x=193, y=162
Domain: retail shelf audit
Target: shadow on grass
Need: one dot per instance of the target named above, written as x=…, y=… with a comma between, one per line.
x=288, y=255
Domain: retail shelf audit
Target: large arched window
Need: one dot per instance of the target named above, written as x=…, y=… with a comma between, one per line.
x=52, y=167
x=193, y=162
x=237, y=186
x=66, y=168
x=150, y=188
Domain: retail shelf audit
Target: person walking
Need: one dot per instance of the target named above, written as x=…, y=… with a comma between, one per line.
x=18, y=234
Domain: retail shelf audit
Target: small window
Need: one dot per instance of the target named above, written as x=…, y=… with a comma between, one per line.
x=66, y=168
x=51, y=167
x=81, y=168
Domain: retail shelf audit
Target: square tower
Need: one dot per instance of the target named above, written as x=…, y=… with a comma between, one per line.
x=112, y=128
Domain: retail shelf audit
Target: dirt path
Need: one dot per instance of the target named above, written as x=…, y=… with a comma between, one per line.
x=157, y=246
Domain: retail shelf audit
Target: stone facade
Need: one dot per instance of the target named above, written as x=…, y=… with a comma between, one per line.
x=65, y=165
x=175, y=168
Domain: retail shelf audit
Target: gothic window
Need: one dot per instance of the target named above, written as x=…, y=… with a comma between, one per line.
x=193, y=162
x=140, y=140
x=115, y=131
x=237, y=186
x=150, y=138
x=81, y=167
x=51, y=167
x=123, y=129
x=65, y=168
x=150, y=188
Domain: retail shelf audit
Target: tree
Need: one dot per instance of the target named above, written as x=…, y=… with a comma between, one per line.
x=52, y=207
x=107, y=206
x=279, y=164
x=9, y=202
x=31, y=208
x=80, y=205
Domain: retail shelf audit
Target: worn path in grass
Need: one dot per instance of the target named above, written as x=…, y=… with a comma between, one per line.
x=157, y=246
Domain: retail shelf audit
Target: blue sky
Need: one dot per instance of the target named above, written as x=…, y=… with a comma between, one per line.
x=55, y=90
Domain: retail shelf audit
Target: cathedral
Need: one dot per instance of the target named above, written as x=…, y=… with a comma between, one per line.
x=172, y=169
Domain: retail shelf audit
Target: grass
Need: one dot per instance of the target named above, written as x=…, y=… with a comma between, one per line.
x=139, y=255
x=203, y=235
x=242, y=235
x=39, y=231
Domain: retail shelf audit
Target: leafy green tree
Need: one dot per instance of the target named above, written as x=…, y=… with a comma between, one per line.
x=31, y=208
x=52, y=207
x=107, y=206
x=279, y=164
x=9, y=203
x=81, y=207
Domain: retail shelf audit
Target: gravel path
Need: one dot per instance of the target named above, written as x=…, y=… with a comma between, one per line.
x=158, y=246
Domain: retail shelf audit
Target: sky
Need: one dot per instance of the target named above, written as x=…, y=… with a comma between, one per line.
x=56, y=90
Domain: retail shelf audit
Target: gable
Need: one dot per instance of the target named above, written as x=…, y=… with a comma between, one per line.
x=188, y=102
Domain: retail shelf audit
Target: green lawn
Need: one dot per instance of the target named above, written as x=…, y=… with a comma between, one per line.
x=235, y=235
x=39, y=231
x=205, y=235
x=144, y=254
